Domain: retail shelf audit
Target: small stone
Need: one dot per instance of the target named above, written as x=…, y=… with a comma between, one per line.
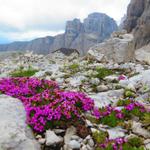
x=91, y=143
x=131, y=87
x=52, y=138
x=111, y=78
x=116, y=132
x=94, y=130
x=89, y=148
x=137, y=129
x=95, y=81
x=102, y=88
x=147, y=141
x=38, y=136
x=69, y=133
x=84, y=147
x=89, y=124
x=74, y=144
x=75, y=137
x=147, y=146
x=88, y=137
x=80, y=140
x=41, y=140
x=59, y=131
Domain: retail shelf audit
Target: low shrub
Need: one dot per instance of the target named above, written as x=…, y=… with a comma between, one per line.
x=21, y=72
x=44, y=102
x=135, y=142
x=112, y=116
x=103, y=72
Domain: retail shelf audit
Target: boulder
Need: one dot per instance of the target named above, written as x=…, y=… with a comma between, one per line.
x=116, y=132
x=105, y=98
x=138, y=80
x=15, y=133
x=52, y=138
x=143, y=54
x=137, y=129
x=117, y=49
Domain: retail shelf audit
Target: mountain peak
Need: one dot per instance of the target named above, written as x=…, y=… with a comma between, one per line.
x=78, y=35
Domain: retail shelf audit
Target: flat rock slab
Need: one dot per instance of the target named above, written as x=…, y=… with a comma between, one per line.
x=14, y=132
x=103, y=99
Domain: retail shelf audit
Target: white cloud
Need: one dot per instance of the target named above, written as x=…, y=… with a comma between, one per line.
x=28, y=35
x=33, y=16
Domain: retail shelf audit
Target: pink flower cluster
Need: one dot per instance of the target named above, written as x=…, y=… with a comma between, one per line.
x=100, y=113
x=107, y=111
x=44, y=102
x=117, y=144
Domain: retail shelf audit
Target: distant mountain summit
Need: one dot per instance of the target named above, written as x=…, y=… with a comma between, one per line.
x=80, y=36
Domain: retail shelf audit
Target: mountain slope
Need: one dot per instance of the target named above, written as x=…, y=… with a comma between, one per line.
x=81, y=36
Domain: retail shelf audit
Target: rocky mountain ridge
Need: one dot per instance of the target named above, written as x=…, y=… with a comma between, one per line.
x=138, y=21
x=111, y=85
x=81, y=36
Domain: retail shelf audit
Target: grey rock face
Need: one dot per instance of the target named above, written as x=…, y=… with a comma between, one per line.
x=143, y=54
x=118, y=49
x=52, y=138
x=15, y=134
x=81, y=36
x=138, y=21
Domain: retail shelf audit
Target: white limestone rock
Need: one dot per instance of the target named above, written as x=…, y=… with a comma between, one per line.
x=15, y=134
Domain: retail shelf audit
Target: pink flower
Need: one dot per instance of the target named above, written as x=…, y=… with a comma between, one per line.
x=122, y=77
x=120, y=115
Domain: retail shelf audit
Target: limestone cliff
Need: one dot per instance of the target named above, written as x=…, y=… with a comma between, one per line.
x=138, y=21
x=81, y=36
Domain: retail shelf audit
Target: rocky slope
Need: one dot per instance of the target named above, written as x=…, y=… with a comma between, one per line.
x=138, y=21
x=105, y=82
x=81, y=36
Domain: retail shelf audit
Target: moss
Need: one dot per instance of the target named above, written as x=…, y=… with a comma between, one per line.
x=146, y=119
x=135, y=112
x=74, y=67
x=99, y=136
x=135, y=142
x=123, y=102
x=111, y=120
x=21, y=72
x=129, y=147
x=93, y=119
x=103, y=72
x=129, y=93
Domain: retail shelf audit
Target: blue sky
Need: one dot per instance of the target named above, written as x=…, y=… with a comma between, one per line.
x=29, y=19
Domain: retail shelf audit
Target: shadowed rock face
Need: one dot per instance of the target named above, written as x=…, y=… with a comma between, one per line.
x=138, y=21
x=81, y=36
x=66, y=51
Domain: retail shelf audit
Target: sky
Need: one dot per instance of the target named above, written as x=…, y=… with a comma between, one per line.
x=28, y=19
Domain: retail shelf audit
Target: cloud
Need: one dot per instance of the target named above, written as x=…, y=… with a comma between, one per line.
x=31, y=18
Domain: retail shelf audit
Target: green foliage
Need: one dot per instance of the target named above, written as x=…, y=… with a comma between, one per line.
x=129, y=93
x=135, y=142
x=109, y=147
x=127, y=146
x=103, y=72
x=111, y=120
x=123, y=102
x=74, y=67
x=21, y=72
x=93, y=119
x=135, y=112
x=146, y=119
x=99, y=136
